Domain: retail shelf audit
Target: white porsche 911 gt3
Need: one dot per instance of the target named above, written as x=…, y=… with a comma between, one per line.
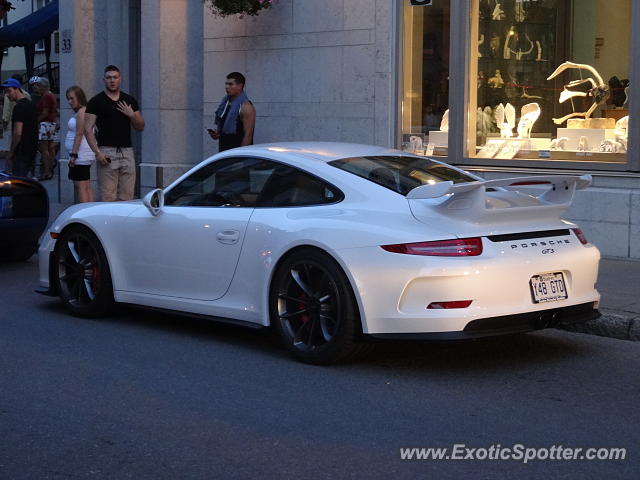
x=333, y=245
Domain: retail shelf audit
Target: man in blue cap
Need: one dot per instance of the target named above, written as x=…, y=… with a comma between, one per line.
x=7, y=107
x=24, y=136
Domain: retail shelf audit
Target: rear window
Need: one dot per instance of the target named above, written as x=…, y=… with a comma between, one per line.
x=401, y=174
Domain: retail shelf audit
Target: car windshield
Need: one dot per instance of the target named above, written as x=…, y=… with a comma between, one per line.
x=401, y=174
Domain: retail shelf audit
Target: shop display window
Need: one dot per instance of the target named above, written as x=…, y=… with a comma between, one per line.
x=425, y=77
x=549, y=80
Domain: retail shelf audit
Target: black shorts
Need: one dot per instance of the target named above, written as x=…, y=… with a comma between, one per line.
x=79, y=173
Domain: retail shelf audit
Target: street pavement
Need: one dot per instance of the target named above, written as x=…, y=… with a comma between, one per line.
x=145, y=395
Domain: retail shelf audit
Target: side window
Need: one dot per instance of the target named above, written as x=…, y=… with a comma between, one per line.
x=231, y=182
x=289, y=187
x=250, y=182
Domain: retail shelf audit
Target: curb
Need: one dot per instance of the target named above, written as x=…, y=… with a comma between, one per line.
x=620, y=325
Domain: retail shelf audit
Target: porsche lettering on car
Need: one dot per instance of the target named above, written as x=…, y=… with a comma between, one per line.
x=334, y=246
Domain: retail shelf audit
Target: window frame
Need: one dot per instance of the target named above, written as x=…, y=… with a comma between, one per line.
x=39, y=46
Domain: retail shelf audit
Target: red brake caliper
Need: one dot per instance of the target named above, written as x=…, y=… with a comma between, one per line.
x=305, y=316
x=95, y=276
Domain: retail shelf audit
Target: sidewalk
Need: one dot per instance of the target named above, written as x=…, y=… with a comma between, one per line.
x=618, y=283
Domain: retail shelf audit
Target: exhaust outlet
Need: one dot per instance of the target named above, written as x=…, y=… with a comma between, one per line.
x=556, y=318
x=548, y=320
x=542, y=321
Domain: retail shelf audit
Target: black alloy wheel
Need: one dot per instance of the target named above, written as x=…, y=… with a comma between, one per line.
x=313, y=308
x=82, y=275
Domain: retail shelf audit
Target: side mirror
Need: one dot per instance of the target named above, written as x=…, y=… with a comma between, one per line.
x=154, y=201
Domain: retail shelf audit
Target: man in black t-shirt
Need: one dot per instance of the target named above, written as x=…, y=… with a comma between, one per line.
x=24, y=136
x=113, y=113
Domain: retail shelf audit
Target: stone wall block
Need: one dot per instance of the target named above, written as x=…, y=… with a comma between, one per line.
x=358, y=73
x=316, y=129
x=313, y=16
x=601, y=204
x=611, y=238
x=151, y=144
x=217, y=65
x=273, y=129
x=384, y=31
x=635, y=209
x=357, y=130
x=359, y=14
x=634, y=241
x=220, y=27
x=269, y=75
x=277, y=20
x=317, y=76
x=214, y=44
x=179, y=131
x=384, y=116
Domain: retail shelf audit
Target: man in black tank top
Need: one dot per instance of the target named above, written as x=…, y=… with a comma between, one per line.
x=235, y=117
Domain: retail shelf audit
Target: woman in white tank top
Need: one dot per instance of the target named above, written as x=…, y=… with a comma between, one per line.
x=80, y=155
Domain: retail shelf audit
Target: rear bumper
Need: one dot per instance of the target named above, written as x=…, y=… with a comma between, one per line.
x=505, y=325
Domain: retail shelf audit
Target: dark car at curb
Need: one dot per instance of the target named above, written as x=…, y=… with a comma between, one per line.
x=24, y=213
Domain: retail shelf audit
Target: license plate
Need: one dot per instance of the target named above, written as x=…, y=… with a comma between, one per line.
x=548, y=287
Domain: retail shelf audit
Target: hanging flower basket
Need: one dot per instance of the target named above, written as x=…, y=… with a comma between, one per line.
x=5, y=6
x=241, y=7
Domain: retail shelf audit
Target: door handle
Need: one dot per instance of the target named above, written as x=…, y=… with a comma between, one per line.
x=228, y=237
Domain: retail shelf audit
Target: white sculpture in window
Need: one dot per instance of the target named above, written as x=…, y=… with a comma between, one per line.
x=444, y=124
x=528, y=116
x=559, y=143
x=599, y=89
x=505, y=119
x=496, y=81
x=513, y=38
x=583, y=144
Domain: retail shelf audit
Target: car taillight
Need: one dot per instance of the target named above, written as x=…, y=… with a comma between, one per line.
x=459, y=247
x=447, y=305
x=580, y=235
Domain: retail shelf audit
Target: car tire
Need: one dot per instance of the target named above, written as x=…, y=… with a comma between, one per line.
x=313, y=309
x=81, y=274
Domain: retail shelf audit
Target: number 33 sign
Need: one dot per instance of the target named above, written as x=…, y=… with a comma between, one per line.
x=65, y=41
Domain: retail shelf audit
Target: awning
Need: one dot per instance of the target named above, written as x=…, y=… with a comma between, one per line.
x=32, y=28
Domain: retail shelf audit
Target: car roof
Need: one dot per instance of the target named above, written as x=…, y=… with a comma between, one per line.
x=321, y=151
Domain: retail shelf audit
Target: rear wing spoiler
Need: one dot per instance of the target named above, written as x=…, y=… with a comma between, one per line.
x=467, y=201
